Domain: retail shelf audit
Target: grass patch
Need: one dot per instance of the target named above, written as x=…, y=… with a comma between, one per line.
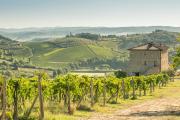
x=172, y=90
x=57, y=52
x=52, y=52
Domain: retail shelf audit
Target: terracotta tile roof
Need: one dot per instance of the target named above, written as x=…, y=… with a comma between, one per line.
x=150, y=46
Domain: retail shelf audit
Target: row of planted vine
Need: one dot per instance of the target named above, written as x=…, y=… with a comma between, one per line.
x=72, y=90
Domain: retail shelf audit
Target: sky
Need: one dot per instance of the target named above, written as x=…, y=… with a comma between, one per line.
x=89, y=13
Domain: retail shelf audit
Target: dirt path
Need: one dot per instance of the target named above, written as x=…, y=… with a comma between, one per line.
x=164, y=107
x=158, y=109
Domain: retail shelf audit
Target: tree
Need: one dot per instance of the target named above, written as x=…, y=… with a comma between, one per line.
x=88, y=36
x=1, y=54
x=59, y=71
x=54, y=73
x=176, y=60
x=120, y=74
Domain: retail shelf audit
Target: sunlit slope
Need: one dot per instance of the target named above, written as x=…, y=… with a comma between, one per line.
x=67, y=50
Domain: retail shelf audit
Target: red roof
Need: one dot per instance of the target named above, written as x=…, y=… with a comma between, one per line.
x=150, y=46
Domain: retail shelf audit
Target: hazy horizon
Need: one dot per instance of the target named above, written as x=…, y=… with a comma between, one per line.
x=88, y=13
x=33, y=27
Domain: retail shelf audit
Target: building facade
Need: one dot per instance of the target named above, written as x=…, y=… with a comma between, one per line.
x=148, y=58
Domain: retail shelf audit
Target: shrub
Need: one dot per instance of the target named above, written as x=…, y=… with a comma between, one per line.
x=170, y=72
x=8, y=116
x=120, y=74
x=72, y=110
x=113, y=102
x=25, y=118
x=84, y=108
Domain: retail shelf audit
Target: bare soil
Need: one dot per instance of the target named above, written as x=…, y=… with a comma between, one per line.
x=160, y=108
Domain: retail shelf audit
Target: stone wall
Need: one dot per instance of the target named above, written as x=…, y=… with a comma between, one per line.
x=164, y=61
x=142, y=61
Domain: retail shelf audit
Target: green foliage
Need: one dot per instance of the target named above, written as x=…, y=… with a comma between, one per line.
x=25, y=118
x=176, y=60
x=65, y=52
x=77, y=88
x=170, y=72
x=13, y=48
x=159, y=36
x=84, y=108
x=9, y=116
x=69, y=52
x=111, y=50
x=88, y=36
x=120, y=74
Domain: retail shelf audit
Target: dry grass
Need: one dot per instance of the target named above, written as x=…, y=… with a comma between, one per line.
x=57, y=111
x=160, y=105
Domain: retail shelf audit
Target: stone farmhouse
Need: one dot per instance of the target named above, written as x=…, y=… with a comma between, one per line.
x=149, y=58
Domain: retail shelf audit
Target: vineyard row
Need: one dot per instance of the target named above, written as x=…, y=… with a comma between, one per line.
x=71, y=90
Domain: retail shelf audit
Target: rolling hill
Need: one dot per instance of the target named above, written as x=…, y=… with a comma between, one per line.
x=14, y=48
x=26, y=34
x=62, y=51
x=82, y=52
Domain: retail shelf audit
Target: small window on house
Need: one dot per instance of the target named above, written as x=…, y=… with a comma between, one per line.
x=155, y=63
x=144, y=53
x=145, y=63
x=137, y=73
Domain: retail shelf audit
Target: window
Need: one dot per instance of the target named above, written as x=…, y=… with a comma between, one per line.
x=145, y=63
x=155, y=63
x=145, y=53
x=137, y=74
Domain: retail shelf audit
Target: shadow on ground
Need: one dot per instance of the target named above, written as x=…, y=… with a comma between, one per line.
x=170, y=111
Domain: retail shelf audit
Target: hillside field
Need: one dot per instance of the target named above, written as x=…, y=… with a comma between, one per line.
x=63, y=51
x=72, y=51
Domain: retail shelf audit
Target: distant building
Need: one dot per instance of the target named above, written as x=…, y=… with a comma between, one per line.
x=148, y=58
x=10, y=46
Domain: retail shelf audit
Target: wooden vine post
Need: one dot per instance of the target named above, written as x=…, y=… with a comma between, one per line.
x=69, y=97
x=41, y=117
x=117, y=92
x=151, y=87
x=173, y=78
x=144, y=88
x=91, y=92
x=123, y=89
x=140, y=92
x=133, y=86
x=4, y=99
x=104, y=91
x=159, y=84
x=30, y=109
x=15, y=115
